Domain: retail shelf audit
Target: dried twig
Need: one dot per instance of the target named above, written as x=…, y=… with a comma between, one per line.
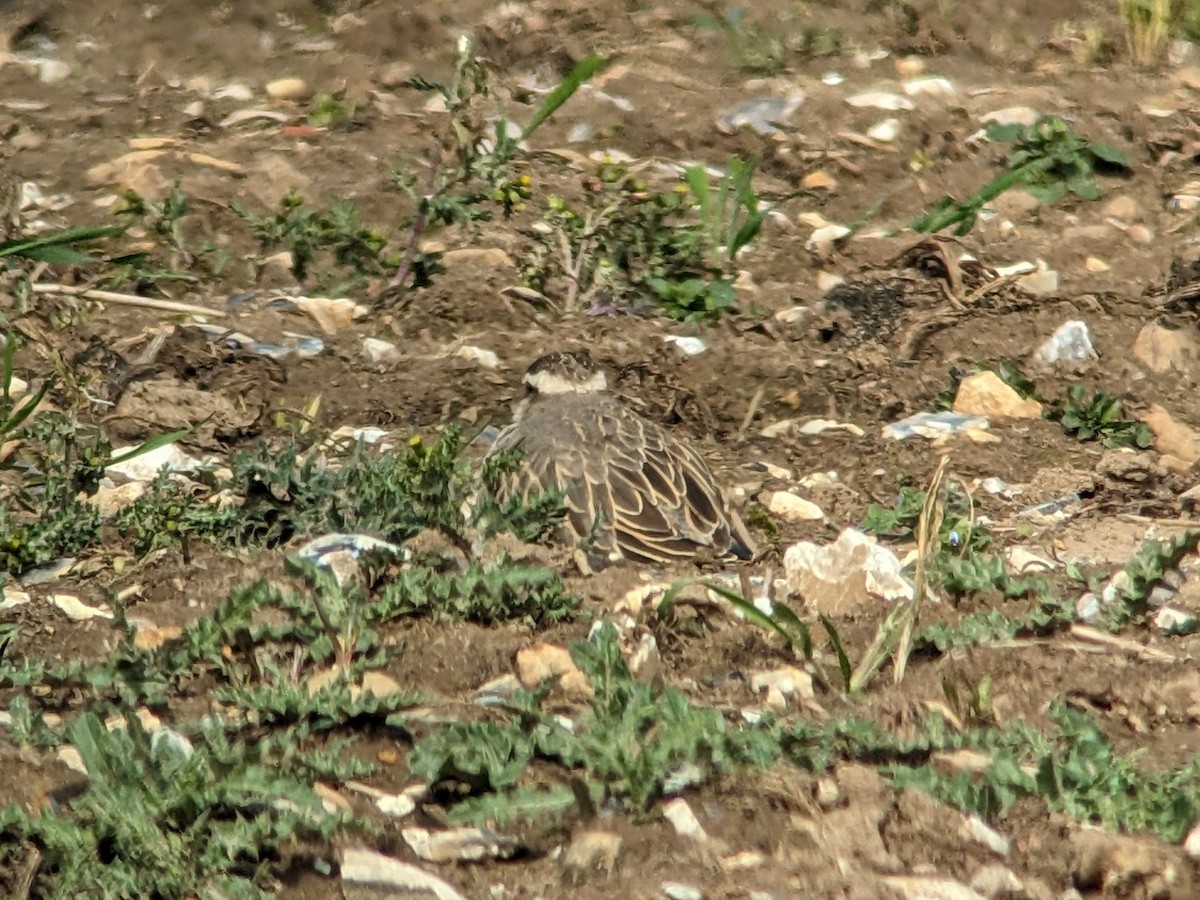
x=87, y=293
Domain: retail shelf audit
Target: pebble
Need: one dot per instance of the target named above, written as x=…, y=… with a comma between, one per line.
x=591, y=851
x=1161, y=349
x=677, y=891
x=885, y=132
x=539, y=662
x=1070, y=343
x=683, y=820
x=293, y=89
x=1096, y=265
x=26, y=139
x=986, y=394
x=791, y=508
x=880, y=100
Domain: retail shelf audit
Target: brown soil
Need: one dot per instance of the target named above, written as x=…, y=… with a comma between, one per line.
x=134, y=73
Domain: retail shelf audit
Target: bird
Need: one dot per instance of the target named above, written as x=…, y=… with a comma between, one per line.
x=632, y=490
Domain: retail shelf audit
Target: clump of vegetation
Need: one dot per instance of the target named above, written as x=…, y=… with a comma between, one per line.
x=331, y=242
x=631, y=747
x=1148, y=25
x=1049, y=161
x=470, y=171
x=631, y=246
x=1102, y=417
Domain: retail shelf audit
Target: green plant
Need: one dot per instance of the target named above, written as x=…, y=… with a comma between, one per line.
x=754, y=49
x=1049, y=161
x=469, y=168
x=1145, y=571
x=331, y=242
x=1101, y=416
x=1077, y=772
x=173, y=815
x=1148, y=25
x=675, y=248
x=630, y=747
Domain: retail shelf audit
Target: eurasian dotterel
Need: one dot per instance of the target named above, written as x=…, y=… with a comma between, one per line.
x=632, y=489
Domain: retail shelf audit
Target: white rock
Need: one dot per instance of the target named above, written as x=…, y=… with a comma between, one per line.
x=76, y=610
x=885, y=132
x=146, y=466
x=932, y=86
x=823, y=239
x=852, y=571
x=683, y=820
x=1070, y=343
x=395, y=805
x=362, y=866
x=485, y=358
x=691, y=346
x=880, y=100
x=791, y=508
x=676, y=891
x=1041, y=283
x=380, y=353
x=826, y=282
x=975, y=829
x=1011, y=115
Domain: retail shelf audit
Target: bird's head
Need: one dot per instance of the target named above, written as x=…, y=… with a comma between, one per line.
x=565, y=372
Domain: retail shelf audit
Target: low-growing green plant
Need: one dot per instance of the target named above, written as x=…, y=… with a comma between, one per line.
x=631, y=746
x=1144, y=572
x=166, y=814
x=331, y=245
x=674, y=249
x=1050, y=160
x=1077, y=772
x=1102, y=417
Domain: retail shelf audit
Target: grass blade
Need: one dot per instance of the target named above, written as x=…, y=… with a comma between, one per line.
x=576, y=78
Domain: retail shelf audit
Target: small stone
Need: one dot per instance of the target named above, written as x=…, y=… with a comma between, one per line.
x=591, y=852
x=828, y=792
x=885, y=132
x=539, y=662
x=788, y=681
x=790, y=508
x=1171, y=436
x=975, y=829
x=486, y=358
x=1011, y=115
x=362, y=866
x=676, y=891
x=78, y=611
x=459, y=844
x=1191, y=843
x=484, y=256
x=933, y=86
x=689, y=346
x=820, y=180
x=1172, y=621
x=1070, y=343
x=986, y=394
x=395, y=74
x=380, y=685
x=1122, y=207
x=71, y=758
x=997, y=881
x=826, y=282
x=683, y=820
x=910, y=66
x=291, y=89
x=380, y=353
x=1096, y=265
x=1040, y=283
x=395, y=805
x=1161, y=349
x=880, y=100
x=27, y=139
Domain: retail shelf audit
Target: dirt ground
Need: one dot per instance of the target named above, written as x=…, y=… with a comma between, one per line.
x=136, y=70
